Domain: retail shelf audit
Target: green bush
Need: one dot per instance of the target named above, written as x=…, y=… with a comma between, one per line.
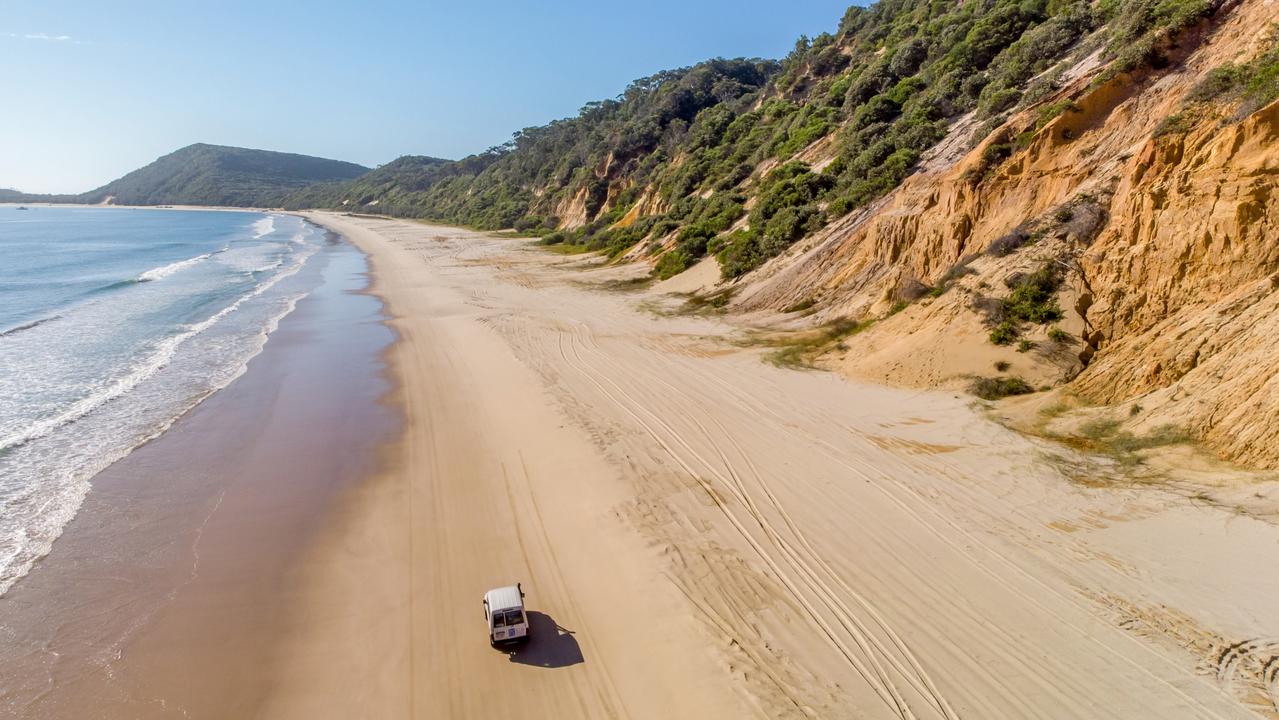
x=739, y=253
x=670, y=265
x=1219, y=81
x=1004, y=333
x=1001, y=387
x=664, y=227
x=782, y=228
x=993, y=103
x=908, y=58
x=878, y=109
x=1048, y=113
x=1262, y=86
x=1256, y=82
x=841, y=206
x=806, y=128
x=838, y=89
x=1033, y=298
x=786, y=210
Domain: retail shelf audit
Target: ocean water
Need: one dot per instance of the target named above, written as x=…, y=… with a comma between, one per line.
x=113, y=323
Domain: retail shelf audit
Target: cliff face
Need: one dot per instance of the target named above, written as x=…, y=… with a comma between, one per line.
x=1187, y=279
x=1168, y=241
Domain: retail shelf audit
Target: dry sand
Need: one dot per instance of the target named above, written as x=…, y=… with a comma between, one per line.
x=704, y=535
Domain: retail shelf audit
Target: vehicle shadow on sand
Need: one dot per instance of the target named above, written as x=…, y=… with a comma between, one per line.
x=549, y=645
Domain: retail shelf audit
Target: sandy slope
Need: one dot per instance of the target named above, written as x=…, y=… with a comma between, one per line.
x=704, y=535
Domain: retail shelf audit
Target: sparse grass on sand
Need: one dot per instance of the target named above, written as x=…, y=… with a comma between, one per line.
x=1108, y=454
x=715, y=302
x=1106, y=437
x=566, y=249
x=632, y=284
x=798, y=350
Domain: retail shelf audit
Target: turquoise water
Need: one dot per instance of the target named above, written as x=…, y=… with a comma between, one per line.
x=113, y=323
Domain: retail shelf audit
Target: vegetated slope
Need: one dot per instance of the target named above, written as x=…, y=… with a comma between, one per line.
x=679, y=156
x=9, y=195
x=1034, y=192
x=391, y=188
x=572, y=172
x=1119, y=236
x=217, y=175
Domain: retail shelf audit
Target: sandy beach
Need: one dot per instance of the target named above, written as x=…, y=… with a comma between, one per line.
x=795, y=361
x=702, y=534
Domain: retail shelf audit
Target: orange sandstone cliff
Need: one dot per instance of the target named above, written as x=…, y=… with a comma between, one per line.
x=1166, y=236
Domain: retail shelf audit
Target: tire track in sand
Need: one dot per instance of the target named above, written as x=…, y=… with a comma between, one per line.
x=877, y=678
x=884, y=478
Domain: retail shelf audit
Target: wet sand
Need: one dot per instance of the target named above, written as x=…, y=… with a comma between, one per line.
x=164, y=597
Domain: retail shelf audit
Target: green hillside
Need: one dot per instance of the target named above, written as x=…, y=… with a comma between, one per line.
x=217, y=175
x=395, y=187
x=677, y=158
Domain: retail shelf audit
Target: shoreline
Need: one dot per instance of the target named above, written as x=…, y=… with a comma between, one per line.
x=192, y=208
x=166, y=589
x=700, y=534
x=100, y=428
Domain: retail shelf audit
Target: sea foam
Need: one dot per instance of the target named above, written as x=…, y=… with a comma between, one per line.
x=165, y=271
x=145, y=367
x=264, y=227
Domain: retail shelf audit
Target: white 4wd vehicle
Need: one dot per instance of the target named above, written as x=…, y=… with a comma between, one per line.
x=504, y=613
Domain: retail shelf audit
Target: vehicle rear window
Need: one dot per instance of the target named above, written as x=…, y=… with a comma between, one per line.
x=507, y=618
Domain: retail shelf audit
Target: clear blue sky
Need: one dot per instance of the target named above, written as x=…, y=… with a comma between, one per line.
x=94, y=89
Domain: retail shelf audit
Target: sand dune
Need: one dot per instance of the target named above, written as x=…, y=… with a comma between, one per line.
x=704, y=535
